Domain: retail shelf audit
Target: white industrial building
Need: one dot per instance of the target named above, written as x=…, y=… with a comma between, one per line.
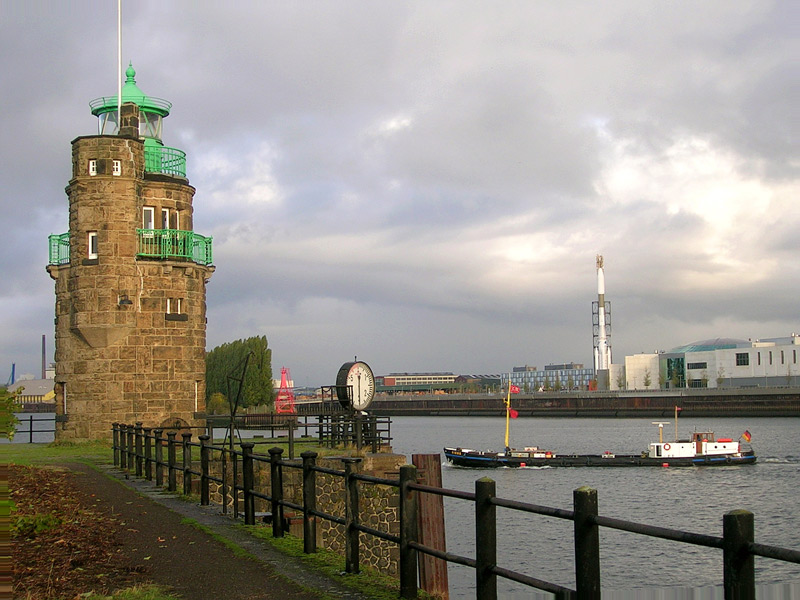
x=716, y=363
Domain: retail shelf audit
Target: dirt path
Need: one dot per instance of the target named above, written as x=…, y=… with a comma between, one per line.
x=158, y=545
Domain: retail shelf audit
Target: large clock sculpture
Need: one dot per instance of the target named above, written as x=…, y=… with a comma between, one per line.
x=355, y=385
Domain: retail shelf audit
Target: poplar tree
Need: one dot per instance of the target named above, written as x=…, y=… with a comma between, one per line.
x=246, y=363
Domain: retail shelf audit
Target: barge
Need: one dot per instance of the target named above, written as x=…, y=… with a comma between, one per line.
x=701, y=449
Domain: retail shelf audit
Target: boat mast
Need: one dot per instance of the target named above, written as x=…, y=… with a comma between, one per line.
x=508, y=409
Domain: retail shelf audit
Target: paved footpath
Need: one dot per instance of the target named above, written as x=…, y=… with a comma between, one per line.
x=193, y=563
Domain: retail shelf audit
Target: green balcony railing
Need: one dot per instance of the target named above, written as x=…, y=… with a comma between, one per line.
x=174, y=244
x=171, y=244
x=162, y=159
x=59, y=248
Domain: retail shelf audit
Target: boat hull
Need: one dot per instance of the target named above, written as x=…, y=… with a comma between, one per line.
x=488, y=460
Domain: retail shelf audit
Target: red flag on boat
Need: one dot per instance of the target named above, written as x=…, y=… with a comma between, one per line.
x=747, y=437
x=678, y=408
x=514, y=389
x=512, y=413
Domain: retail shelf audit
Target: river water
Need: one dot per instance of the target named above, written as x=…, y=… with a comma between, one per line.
x=632, y=566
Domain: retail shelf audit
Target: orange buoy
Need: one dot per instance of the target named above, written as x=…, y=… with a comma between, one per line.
x=665, y=465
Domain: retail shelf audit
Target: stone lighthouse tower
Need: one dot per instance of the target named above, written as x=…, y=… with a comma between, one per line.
x=130, y=278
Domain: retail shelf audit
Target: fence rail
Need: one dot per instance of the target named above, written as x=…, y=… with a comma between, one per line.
x=132, y=450
x=30, y=419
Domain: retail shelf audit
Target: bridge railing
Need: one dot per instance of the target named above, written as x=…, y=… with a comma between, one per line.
x=132, y=451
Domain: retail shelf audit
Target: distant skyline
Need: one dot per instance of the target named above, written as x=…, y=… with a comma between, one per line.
x=426, y=185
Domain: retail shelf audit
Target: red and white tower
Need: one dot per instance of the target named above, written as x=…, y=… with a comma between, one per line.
x=284, y=403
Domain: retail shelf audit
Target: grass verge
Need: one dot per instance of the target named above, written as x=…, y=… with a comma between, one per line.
x=144, y=592
x=370, y=582
x=30, y=454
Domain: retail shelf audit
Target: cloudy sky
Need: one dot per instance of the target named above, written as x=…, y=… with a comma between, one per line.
x=426, y=184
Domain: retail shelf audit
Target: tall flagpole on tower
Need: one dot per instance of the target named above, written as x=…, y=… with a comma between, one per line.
x=119, y=64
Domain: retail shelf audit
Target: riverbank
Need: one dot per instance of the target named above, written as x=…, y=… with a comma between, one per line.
x=753, y=402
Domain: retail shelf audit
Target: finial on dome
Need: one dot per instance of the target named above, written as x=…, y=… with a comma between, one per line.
x=130, y=73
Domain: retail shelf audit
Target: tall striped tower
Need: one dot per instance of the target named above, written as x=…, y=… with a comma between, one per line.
x=130, y=278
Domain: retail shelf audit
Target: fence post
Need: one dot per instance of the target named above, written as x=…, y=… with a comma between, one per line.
x=276, y=491
x=131, y=448
x=235, y=481
x=290, y=422
x=408, y=532
x=309, y=502
x=159, y=457
x=123, y=452
x=187, y=463
x=223, y=455
x=351, y=515
x=587, y=543
x=204, y=480
x=738, y=563
x=485, y=539
x=115, y=442
x=137, y=434
x=247, y=483
x=357, y=424
x=30, y=429
x=148, y=454
x=171, y=485
x=430, y=521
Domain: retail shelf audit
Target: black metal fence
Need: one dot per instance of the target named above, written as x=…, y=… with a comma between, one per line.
x=31, y=431
x=142, y=450
x=330, y=429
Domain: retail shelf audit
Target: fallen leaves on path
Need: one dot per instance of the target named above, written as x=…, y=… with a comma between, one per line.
x=63, y=546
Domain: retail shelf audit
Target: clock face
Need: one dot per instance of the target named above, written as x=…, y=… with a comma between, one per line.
x=355, y=385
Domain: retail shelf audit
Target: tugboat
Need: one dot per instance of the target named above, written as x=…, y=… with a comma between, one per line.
x=702, y=449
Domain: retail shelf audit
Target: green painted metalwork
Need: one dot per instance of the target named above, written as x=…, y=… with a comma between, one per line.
x=174, y=244
x=151, y=110
x=162, y=159
x=131, y=93
x=59, y=248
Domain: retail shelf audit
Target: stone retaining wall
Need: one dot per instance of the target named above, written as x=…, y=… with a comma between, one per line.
x=378, y=504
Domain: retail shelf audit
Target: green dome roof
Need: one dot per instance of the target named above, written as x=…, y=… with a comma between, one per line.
x=131, y=93
x=710, y=345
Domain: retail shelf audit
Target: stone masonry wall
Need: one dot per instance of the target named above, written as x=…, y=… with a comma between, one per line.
x=378, y=504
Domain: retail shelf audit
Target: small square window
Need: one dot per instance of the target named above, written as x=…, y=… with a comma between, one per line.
x=174, y=306
x=742, y=359
x=93, y=167
x=117, y=168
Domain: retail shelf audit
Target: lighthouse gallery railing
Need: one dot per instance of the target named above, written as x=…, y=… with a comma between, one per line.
x=171, y=244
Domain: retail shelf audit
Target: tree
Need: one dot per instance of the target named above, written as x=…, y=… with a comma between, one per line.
x=217, y=405
x=675, y=380
x=620, y=380
x=648, y=380
x=8, y=420
x=720, y=376
x=226, y=363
